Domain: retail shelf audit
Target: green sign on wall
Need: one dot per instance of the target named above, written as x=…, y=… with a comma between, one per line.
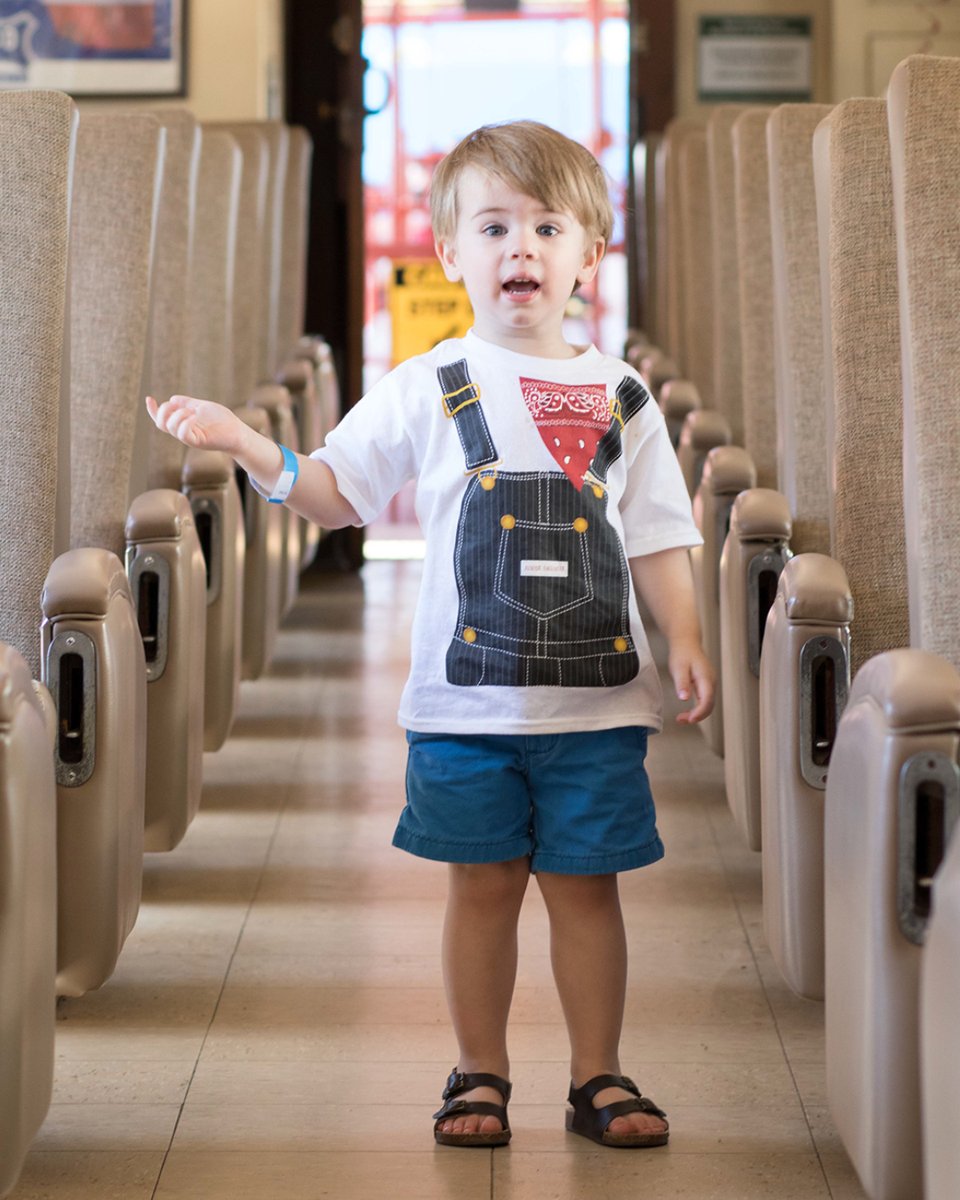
x=755, y=59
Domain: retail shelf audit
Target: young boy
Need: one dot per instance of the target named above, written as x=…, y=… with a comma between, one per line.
x=541, y=469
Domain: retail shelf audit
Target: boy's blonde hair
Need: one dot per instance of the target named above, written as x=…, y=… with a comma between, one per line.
x=533, y=159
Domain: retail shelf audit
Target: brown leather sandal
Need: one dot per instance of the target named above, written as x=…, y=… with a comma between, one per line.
x=458, y=1083
x=591, y=1122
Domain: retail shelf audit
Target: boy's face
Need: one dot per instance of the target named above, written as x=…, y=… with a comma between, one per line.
x=519, y=263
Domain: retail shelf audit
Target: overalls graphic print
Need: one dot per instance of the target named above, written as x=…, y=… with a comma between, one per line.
x=542, y=577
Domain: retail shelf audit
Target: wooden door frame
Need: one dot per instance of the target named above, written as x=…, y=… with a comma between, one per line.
x=652, y=103
x=324, y=93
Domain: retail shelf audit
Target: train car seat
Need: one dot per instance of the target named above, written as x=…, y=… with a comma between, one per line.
x=892, y=792
x=164, y=558
x=809, y=631
x=727, y=383
x=696, y=262
x=209, y=477
x=90, y=634
x=37, y=136
x=764, y=526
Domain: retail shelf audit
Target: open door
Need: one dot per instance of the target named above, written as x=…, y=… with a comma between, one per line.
x=324, y=94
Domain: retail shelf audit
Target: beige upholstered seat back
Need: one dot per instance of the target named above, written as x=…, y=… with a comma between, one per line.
x=166, y=348
x=276, y=136
x=798, y=344
x=119, y=158
x=36, y=134
x=696, y=236
x=924, y=104
x=644, y=174
x=249, y=302
x=210, y=336
x=674, y=340
x=291, y=302
x=752, y=191
x=727, y=377
x=208, y=477
x=867, y=400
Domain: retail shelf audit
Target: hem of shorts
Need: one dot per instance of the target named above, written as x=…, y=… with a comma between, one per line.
x=650, y=721
x=461, y=852
x=599, y=864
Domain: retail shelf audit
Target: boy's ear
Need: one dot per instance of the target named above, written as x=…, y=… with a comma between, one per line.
x=447, y=254
x=591, y=260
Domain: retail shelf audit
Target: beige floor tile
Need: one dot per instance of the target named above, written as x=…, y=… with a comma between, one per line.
x=843, y=1179
x=86, y=1126
x=347, y=970
x=811, y=1083
x=88, y=1175
x=121, y=1083
x=429, y=1175
x=295, y=1128
x=178, y=926
x=661, y=1172
x=713, y=1085
x=370, y=1043
x=324, y=1083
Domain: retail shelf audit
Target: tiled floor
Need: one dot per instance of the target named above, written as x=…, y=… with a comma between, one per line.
x=276, y=1027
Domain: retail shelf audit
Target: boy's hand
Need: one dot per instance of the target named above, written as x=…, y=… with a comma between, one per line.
x=200, y=423
x=692, y=675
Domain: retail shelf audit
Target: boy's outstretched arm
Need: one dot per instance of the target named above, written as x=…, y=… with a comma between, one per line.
x=665, y=582
x=210, y=426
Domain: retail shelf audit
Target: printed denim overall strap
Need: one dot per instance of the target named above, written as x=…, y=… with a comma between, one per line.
x=541, y=575
x=630, y=398
x=461, y=402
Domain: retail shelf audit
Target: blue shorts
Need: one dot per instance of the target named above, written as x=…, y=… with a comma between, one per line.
x=575, y=803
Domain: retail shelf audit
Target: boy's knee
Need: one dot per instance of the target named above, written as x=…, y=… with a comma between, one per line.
x=584, y=891
x=490, y=882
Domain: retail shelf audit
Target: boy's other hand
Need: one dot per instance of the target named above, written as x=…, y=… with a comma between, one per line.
x=692, y=675
x=200, y=423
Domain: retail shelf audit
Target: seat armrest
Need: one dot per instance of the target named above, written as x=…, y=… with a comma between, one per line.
x=678, y=398
x=206, y=468
x=273, y=398
x=815, y=590
x=47, y=708
x=729, y=470
x=158, y=515
x=86, y=580
x=761, y=514
x=15, y=683
x=296, y=374
x=703, y=428
x=656, y=368
x=255, y=418
x=914, y=689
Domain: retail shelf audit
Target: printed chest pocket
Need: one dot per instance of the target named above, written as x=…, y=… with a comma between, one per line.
x=543, y=569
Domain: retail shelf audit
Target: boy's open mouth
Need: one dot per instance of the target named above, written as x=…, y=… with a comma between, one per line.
x=521, y=287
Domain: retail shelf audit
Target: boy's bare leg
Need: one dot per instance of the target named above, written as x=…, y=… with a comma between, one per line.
x=480, y=970
x=588, y=948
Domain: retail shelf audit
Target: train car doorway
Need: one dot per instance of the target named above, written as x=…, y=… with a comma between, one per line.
x=386, y=87
x=437, y=69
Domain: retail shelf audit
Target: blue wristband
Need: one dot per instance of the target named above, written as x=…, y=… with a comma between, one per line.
x=288, y=477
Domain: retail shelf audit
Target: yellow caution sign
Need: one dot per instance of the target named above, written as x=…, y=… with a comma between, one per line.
x=425, y=307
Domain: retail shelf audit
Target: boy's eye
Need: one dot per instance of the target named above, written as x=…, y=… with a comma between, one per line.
x=493, y=230
x=548, y=230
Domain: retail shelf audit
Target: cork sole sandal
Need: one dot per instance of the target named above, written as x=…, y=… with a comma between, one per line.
x=591, y=1122
x=452, y=1107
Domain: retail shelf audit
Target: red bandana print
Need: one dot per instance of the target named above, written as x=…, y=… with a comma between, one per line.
x=571, y=419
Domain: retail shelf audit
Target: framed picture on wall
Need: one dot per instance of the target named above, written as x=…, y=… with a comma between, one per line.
x=94, y=48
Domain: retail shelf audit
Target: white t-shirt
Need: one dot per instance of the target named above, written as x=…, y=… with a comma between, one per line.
x=536, y=479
